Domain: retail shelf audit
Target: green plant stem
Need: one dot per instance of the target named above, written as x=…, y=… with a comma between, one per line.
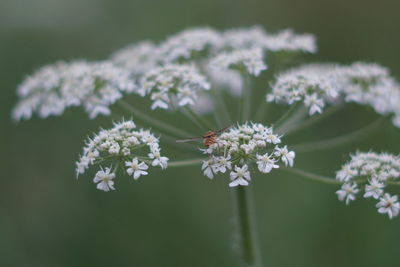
x=324, y=179
x=285, y=116
x=191, y=118
x=262, y=111
x=298, y=115
x=393, y=183
x=313, y=120
x=338, y=141
x=223, y=117
x=150, y=120
x=246, y=227
x=185, y=163
x=206, y=125
x=311, y=176
x=246, y=98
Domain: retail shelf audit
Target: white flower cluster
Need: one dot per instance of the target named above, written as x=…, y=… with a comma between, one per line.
x=319, y=84
x=287, y=40
x=371, y=84
x=228, y=79
x=173, y=84
x=256, y=37
x=250, y=60
x=137, y=58
x=237, y=149
x=53, y=88
x=121, y=144
x=374, y=172
x=189, y=44
x=97, y=85
x=312, y=84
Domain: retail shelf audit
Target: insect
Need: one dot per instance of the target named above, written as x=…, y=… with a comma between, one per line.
x=209, y=137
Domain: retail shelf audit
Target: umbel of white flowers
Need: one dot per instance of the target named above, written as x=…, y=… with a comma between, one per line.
x=317, y=85
x=135, y=149
x=53, y=88
x=181, y=70
x=174, y=73
x=373, y=172
x=236, y=150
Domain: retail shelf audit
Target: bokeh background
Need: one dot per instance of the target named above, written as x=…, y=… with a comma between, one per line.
x=178, y=217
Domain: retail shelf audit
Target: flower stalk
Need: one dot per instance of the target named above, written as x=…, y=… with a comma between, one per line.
x=246, y=227
x=136, y=113
x=339, y=140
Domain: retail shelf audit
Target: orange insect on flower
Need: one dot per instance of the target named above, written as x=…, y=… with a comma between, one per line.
x=209, y=137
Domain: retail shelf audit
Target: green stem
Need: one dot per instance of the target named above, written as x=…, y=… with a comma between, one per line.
x=150, y=120
x=246, y=228
x=262, y=111
x=313, y=120
x=393, y=183
x=289, y=112
x=222, y=117
x=324, y=179
x=185, y=163
x=311, y=176
x=246, y=98
x=191, y=118
x=338, y=141
x=203, y=122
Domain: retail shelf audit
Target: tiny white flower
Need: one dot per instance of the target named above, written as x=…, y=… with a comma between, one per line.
x=287, y=157
x=160, y=100
x=266, y=163
x=347, y=192
x=240, y=176
x=316, y=104
x=114, y=148
x=273, y=138
x=374, y=189
x=388, y=204
x=104, y=180
x=223, y=163
x=158, y=159
x=135, y=168
x=208, y=168
x=346, y=173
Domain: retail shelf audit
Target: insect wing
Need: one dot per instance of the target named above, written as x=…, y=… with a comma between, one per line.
x=223, y=129
x=189, y=139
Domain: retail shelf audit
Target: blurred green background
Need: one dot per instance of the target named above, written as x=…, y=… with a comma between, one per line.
x=178, y=217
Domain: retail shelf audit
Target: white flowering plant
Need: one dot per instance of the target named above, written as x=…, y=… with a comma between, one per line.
x=209, y=78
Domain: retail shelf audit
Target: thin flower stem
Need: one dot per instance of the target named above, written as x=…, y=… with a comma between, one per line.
x=314, y=119
x=191, y=118
x=246, y=98
x=203, y=122
x=338, y=141
x=264, y=107
x=298, y=115
x=393, y=182
x=262, y=111
x=220, y=103
x=246, y=228
x=311, y=176
x=286, y=115
x=160, y=125
x=186, y=163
